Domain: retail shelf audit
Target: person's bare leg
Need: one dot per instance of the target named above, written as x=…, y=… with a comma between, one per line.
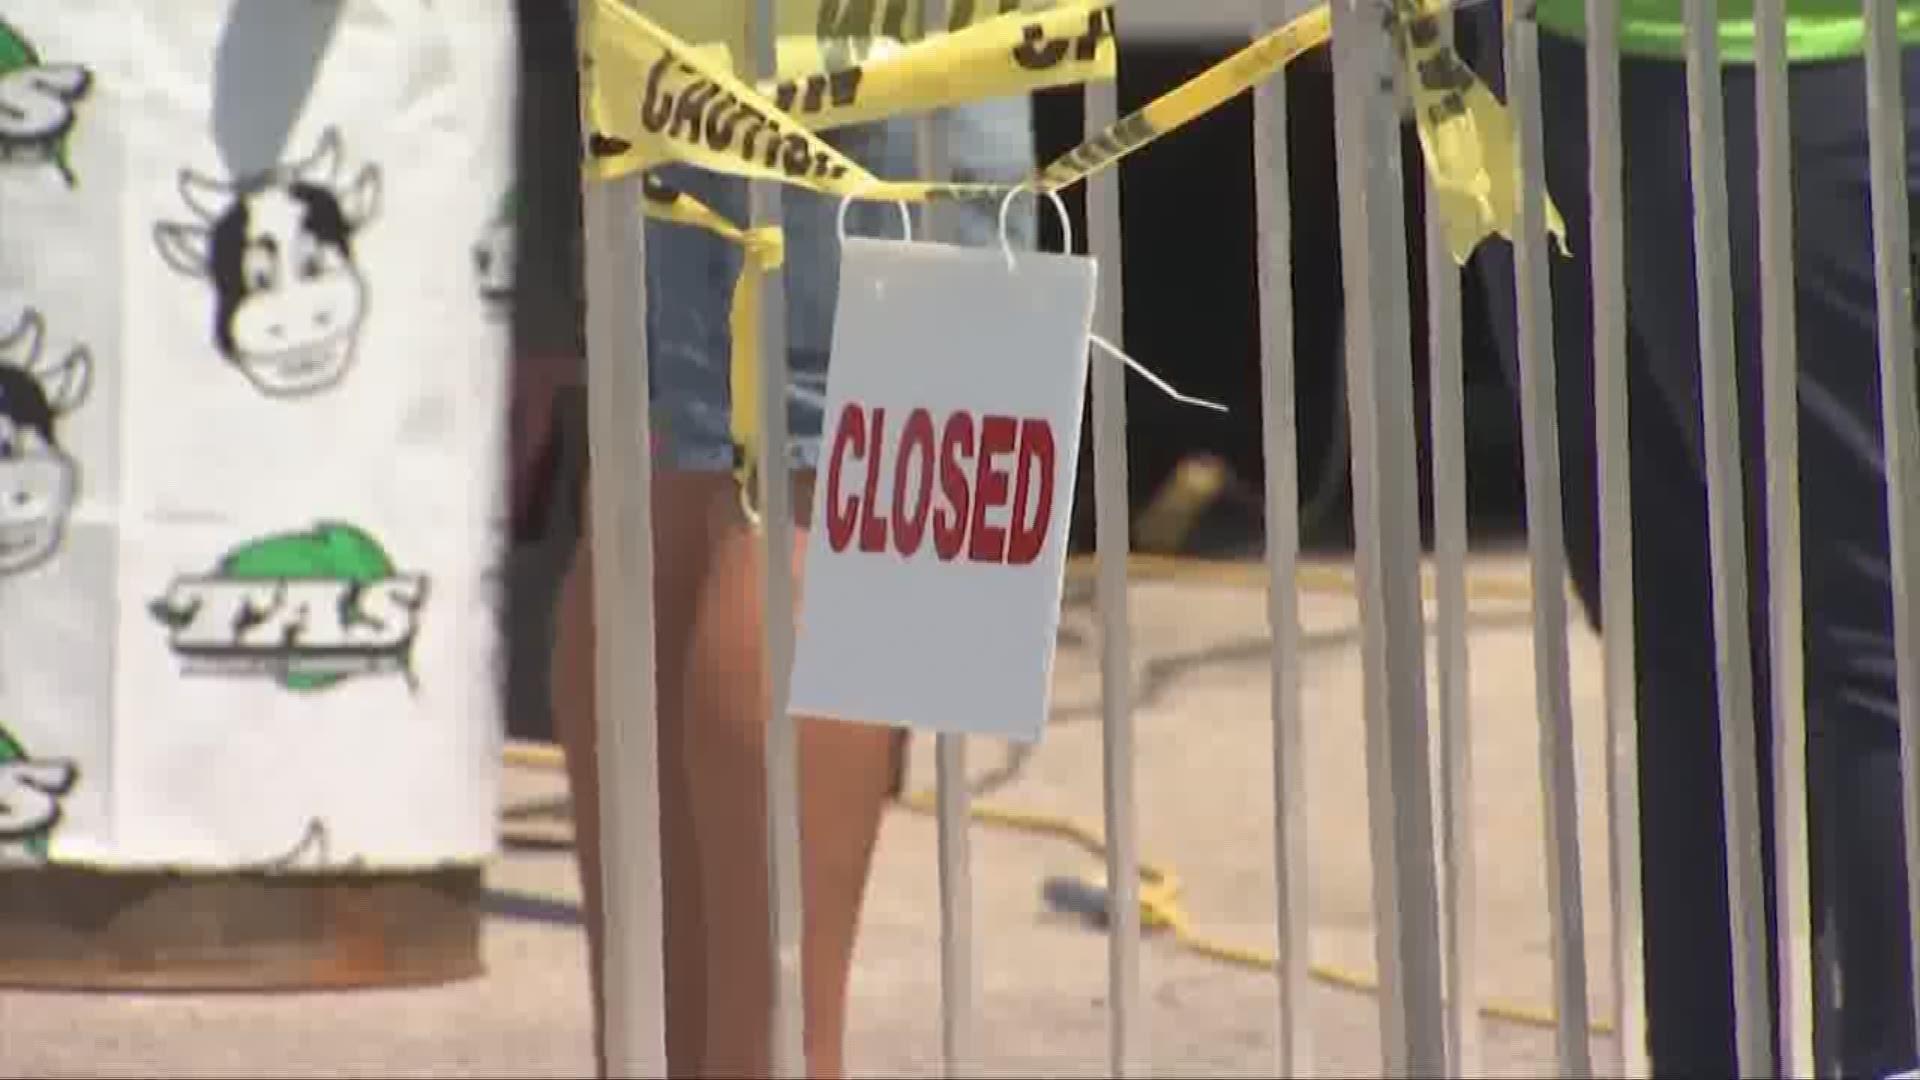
x=574, y=721
x=573, y=692
x=713, y=694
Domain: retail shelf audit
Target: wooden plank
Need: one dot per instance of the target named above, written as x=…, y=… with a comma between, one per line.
x=77, y=929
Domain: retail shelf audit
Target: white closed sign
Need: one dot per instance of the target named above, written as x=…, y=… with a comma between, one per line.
x=935, y=562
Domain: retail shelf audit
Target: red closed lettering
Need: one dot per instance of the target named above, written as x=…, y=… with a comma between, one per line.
x=950, y=523
x=990, y=489
x=873, y=527
x=849, y=437
x=984, y=487
x=910, y=524
x=1025, y=536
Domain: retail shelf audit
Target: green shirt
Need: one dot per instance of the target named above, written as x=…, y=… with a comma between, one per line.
x=1816, y=29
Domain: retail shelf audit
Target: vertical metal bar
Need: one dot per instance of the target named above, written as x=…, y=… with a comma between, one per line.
x=1546, y=539
x=620, y=445
x=1893, y=282
x=958, y=979
x=1780, y=369
x=1607, y=240
x=788, y=1013
x=1125, y=1048
x=1726, y=529
x=1459, y=932
x=1387, y=527
x=1293, y=913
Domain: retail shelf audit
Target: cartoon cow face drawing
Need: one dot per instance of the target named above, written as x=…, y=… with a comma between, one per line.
x=38, y=478
x=39, y=104
x=278, y=249
x=494, y=264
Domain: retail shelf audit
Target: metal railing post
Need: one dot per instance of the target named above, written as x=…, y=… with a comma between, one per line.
x=621, y=536
x=787, y=924
x=1293, y=915
x=1387, y=529
x=1780, y=370
x=1607, y=279
x=1893, y=285
x=959, y=982
x=1112, y=546
x=1448, y=424
x=1727, y=540
x=1546, y=548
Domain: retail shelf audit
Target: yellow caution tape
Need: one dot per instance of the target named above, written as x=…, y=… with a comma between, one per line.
x=1012, y=54
x=650, y=98
x=1021, y=53
x=819, y=34
x=689, y=107
x=679, y=103
x=1205, y=92
x=1466, y=137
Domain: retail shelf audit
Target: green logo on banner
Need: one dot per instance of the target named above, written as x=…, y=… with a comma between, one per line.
x=38, y=104
x=309, y=610
x=31, y=791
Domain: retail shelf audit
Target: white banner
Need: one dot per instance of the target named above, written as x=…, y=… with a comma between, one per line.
x=252, y=389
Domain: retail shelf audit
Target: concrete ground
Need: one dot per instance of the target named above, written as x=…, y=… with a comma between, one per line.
x=1205, y=811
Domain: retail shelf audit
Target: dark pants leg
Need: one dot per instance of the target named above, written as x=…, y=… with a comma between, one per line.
x=1849, y=618
x=1684, y=881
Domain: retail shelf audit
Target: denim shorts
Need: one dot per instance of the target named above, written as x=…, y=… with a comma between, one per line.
x=691, y=274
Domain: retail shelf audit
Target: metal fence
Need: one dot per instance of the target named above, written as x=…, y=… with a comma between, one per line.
x=1423, y=881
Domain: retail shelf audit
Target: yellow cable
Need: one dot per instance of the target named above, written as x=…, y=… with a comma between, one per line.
x=1318, y=579
x=1160, y=906
x=531, y=755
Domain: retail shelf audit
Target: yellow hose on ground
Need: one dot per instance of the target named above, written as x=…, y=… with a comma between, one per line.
x=1160, y=906
x=1161, y=909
